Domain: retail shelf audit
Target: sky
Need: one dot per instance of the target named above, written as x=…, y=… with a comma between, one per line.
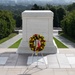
x=59, y=1
x=51, y=0
x=54, y=1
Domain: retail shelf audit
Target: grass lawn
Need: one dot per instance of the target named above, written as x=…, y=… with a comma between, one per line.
x=67, y=37
x=59, y=44
x=16, y=44
x=7, y=38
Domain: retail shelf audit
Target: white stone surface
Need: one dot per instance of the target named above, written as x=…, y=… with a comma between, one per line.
x=63, y=61
x=37, y=22
x=53, y=62
x=60, y=72
x=39, y=60
x=70, y=55
x=3, y=60
x=71, y=60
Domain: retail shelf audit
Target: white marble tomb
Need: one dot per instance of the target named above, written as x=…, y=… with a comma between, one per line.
x=37, y=22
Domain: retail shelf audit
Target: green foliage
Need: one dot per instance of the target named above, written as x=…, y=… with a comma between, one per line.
x=71, y=7
x=59, y=44
x=56, y=19
x=7, y=38
x=16, y=44
x=18, y=9
x=67, y=37
x=18, y=20
x=36, y=7
x=68, y=24
x=7, y=23
x=61, y=13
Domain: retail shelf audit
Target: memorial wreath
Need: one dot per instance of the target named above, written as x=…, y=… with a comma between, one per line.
x=37, y=42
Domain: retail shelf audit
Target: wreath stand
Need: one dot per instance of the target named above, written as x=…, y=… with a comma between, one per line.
x=37, y=56
x=35, y=53
x=36, y=66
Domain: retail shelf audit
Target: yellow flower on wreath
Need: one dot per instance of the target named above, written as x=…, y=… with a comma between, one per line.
x=33, y=42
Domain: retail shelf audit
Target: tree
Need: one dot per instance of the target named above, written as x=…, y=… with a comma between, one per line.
x=7, y=23
x=54, y=10
x=71, y=7
x=55, y=20
x=61, y=12
x=35, y=7
x=68, y=24
x=18, y=20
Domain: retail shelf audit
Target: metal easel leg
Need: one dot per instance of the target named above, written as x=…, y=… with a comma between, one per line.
x=33, y=56
x=43, y=59
x=27, y=70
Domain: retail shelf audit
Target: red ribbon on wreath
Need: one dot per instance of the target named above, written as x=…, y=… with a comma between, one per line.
x=39, y=44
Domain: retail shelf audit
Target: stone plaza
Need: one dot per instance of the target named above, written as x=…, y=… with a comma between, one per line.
x=16, y=64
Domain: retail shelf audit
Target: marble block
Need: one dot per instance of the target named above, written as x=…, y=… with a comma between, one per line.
x=37, y=22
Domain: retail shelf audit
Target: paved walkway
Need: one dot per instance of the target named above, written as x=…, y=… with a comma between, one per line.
x=11, y=41
x=65, y=41
x=62, y=63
